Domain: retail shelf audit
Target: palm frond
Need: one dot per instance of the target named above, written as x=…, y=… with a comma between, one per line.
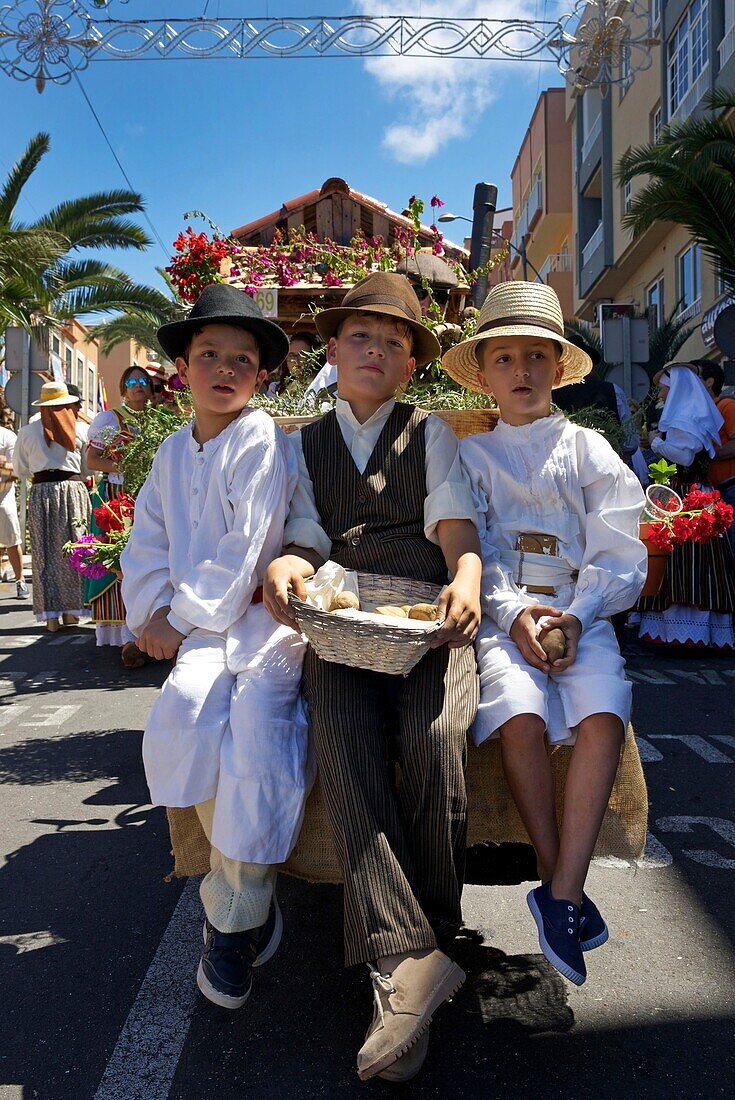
x=20, y=173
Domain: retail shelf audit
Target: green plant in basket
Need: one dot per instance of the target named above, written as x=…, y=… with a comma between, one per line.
x=661, y=472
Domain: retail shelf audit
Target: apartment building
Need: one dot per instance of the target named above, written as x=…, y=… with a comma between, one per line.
x=542, y=199
x=662, y=269
x=73, y=357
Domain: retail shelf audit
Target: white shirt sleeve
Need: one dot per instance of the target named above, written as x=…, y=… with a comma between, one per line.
x=144, y=562
x=217, y=592
x=613, y=568
x=20, y=458
x=678, y=446
x=304, y=525
x=448, y=492
x=500, y=595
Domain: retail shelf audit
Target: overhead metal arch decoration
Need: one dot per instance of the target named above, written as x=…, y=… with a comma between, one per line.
x=598, y=43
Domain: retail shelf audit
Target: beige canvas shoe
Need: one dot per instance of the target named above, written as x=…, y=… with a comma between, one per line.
x=405, y=1002
x=408, y=1065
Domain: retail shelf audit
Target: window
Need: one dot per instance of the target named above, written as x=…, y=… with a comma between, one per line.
x=690, y=281
x=655, y=124
x=626, y=192
x=688, y=53
x=655, y=303
x=80, y=374
x=55, y=345
x=91, y=388
x=67, y=363
x=655, y=13
x=626, y=76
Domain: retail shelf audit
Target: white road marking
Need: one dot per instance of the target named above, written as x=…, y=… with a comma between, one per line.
x=32, y=941
x=726, y=739
x=9, y=713
x=723, y=828
x=654, y=857
x=646, y=750
x=147, y=1052
x=56, y=715
x=648, y=676
x=697, y=744
x=18, y=641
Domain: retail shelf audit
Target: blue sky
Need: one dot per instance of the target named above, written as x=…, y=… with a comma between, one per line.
x=237, y=138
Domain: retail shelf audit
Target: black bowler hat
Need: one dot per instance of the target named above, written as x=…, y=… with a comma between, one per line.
x=222, y=304
x=579, y=340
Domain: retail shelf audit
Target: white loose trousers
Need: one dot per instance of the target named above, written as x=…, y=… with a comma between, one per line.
x=231, y=725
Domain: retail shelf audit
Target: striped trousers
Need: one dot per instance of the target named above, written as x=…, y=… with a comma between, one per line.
x=401, y=846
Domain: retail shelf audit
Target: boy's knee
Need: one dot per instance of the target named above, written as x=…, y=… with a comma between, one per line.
x=523, y=728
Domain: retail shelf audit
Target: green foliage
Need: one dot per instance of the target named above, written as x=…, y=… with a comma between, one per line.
x=155, y=424
x=690, y=174
x=661, y=472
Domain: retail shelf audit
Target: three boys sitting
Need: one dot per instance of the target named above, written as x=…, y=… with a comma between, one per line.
x=383, y=487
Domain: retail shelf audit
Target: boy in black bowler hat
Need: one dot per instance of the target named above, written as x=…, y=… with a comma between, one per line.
x=228, y=733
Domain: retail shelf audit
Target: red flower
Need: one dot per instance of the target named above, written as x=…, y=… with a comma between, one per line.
x=436, y=201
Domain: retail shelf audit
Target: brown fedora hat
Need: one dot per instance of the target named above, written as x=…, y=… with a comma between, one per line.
x=389, y=294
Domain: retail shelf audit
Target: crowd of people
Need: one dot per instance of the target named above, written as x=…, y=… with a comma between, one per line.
x=530, y=535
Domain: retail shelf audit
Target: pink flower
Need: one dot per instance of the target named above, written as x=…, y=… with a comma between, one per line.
x=436, y=201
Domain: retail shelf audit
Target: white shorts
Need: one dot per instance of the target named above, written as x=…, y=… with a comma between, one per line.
x=9, y=524
x=240, y=737
x=594, y=684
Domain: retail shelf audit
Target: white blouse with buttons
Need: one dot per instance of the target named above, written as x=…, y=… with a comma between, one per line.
x=552, y=477
x=207, y=523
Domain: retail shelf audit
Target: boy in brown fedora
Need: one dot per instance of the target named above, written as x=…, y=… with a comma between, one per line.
x=558, y=513
x=381, y=490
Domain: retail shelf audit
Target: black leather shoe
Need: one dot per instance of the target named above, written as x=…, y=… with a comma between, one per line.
x=225, y=974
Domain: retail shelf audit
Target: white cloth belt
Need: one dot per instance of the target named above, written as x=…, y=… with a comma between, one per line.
x=537, y=570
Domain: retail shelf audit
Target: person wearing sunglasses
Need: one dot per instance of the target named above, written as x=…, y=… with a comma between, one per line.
x=109, y=433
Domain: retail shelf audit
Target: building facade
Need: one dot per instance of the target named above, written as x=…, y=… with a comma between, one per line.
x=662, y=270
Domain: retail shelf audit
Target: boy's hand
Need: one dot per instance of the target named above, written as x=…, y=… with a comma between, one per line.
x=525, y=631
x=282, y=577
x=159, y=639
x=571, y=628
x=459, y=606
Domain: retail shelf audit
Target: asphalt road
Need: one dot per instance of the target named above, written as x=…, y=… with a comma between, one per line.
x=98, y=951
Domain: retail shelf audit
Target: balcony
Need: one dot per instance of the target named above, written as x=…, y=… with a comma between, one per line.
x=690, y=311
x=693, y=96
x=592, y=245
x=533, y=206
x=594, y=132
x=556, y=261
x=726, y=48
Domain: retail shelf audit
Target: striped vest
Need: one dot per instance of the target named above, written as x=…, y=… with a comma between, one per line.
x=375, y=519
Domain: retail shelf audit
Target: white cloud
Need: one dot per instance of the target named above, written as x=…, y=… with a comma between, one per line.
x=441, y=99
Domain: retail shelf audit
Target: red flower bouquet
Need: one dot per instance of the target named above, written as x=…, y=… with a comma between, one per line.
x=703, y=516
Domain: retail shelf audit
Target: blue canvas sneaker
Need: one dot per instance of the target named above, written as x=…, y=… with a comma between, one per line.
x=558, y=932
x=225, y=974
x=593, y=931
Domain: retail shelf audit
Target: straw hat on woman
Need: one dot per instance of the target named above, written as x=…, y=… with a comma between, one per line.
x=49, y=451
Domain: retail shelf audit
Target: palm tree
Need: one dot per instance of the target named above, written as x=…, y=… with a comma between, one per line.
x=42, y=275
x=139, y=321
x=692, y=181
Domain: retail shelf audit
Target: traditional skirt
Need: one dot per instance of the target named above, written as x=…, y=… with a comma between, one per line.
x=58, y=513
x=696, y=602
x=104, y=595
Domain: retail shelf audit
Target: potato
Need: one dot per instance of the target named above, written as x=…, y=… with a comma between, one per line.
x=554, y=644
x=426, y=611
x=343, y=600
x=406, y=607
x=397, y=612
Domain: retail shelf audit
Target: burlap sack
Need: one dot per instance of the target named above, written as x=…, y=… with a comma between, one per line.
x=492, y=816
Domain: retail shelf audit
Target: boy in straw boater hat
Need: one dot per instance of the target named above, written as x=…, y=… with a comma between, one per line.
x=558, y=524
x=229, y=732
x=381, y=490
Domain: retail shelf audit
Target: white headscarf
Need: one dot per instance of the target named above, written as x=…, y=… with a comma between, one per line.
x=689, y=408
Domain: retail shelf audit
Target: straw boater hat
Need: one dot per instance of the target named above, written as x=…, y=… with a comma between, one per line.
x=389, y=294
x=516, y=309
x=222, y=304
x=54, y=393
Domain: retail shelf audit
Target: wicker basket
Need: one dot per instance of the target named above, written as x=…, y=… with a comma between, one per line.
x=362, y=644
x=468, y=421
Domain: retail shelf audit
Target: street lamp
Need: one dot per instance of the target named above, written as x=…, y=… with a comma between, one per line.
x=525, y=262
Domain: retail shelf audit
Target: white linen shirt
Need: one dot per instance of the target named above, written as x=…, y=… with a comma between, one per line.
x=208, y=521
x=33, y=454
x=448, y=493
x=552, y=477
x=7, y=446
